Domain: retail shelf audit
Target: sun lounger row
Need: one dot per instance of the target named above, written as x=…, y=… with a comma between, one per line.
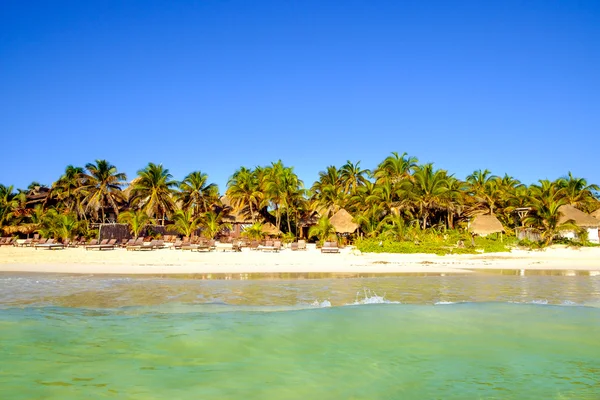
x=7, y=241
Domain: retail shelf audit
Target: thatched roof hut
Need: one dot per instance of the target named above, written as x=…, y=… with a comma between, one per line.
x=580, y=218
x=485, y=225
x=342, y=222
x=596, y=214
x=270, y=229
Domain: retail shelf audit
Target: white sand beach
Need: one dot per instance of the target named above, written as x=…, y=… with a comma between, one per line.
x=168, y=261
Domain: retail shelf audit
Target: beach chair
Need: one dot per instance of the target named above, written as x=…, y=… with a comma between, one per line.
x=330, y=247
x=301, y=244
x=49, y=244
x=137, y=243
x=106, y=244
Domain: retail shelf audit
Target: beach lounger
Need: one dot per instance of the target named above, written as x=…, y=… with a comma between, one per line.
x=330, y=247
x=49, y=245
x=104, y=245
x=136, y=244
x=8, y=241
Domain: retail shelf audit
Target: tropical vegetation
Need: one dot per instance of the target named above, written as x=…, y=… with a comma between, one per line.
x=397, y=201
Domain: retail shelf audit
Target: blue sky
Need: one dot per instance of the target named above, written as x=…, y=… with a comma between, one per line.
x=512, y=86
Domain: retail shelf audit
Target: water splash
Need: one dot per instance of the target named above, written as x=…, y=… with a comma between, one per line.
x=322, y=304
x=370, y=297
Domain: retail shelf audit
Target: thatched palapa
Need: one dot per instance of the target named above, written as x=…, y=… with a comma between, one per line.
x=342, y=222
x=596, y=214
x=270, y=229
x=485, y=225
x=580, y=218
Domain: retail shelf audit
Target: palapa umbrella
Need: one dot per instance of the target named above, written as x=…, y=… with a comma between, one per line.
x=580, y=218
x=270, y=229
x=485, y=224
x=342, y=222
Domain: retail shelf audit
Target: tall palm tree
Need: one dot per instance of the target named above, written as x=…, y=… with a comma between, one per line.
x=395, y=168
x=244, y=192
x=153, y=189
x=65, y=190
x=352, y=177
x=430, y=188
x=8, y=202
x=578, y=192
x=101, y=187
x=328, y=190
x=485, y=189
x=196, y=193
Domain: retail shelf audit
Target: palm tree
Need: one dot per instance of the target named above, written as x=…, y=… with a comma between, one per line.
x=65, y=189
x=101, y=187
x=244, y=192
x=396, y=168
x=186, y=222
x=485, y=189
x=430, y=188
x=254, y=231
x=324, y=230
x=196, y=194
x=212, y=223
x=8, y=202
x=352, y=177
x=545, y=201
x=153, y=189
x=370, y=221
x=577, y=191
x=137, y=221
x=328, y=191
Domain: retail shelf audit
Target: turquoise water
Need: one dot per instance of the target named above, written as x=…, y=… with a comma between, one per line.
x=428, y=337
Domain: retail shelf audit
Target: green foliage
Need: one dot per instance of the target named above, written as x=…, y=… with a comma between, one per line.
x=62, y=226
x=430, y=242
x=324, y=230
x=137, y=221
x=254, y=231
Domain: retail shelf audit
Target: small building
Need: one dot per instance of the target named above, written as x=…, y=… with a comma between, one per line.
x=484, y=225
x=582, y=220
x=343, y=222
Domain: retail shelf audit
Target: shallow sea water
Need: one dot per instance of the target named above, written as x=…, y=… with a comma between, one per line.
x=494, y=335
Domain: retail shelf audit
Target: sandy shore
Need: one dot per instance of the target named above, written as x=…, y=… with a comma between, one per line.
x=168, y=261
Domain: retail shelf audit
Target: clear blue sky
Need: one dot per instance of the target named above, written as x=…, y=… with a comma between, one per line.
x=512, y=86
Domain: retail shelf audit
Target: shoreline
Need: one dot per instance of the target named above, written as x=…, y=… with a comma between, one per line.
x=167, y=261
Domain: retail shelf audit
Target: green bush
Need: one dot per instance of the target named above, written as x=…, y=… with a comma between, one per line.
x=436, y=243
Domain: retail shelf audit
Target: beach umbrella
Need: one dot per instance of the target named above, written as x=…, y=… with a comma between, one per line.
x=485, y=224
x=270, y=229
x=580, y=218
x=342, y=222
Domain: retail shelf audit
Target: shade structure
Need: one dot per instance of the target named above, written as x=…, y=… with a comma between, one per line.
x=270, y=229
x=342, y=222
x=580, y=218
x=596, y=214
x=485, y=225
x=23, y=228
